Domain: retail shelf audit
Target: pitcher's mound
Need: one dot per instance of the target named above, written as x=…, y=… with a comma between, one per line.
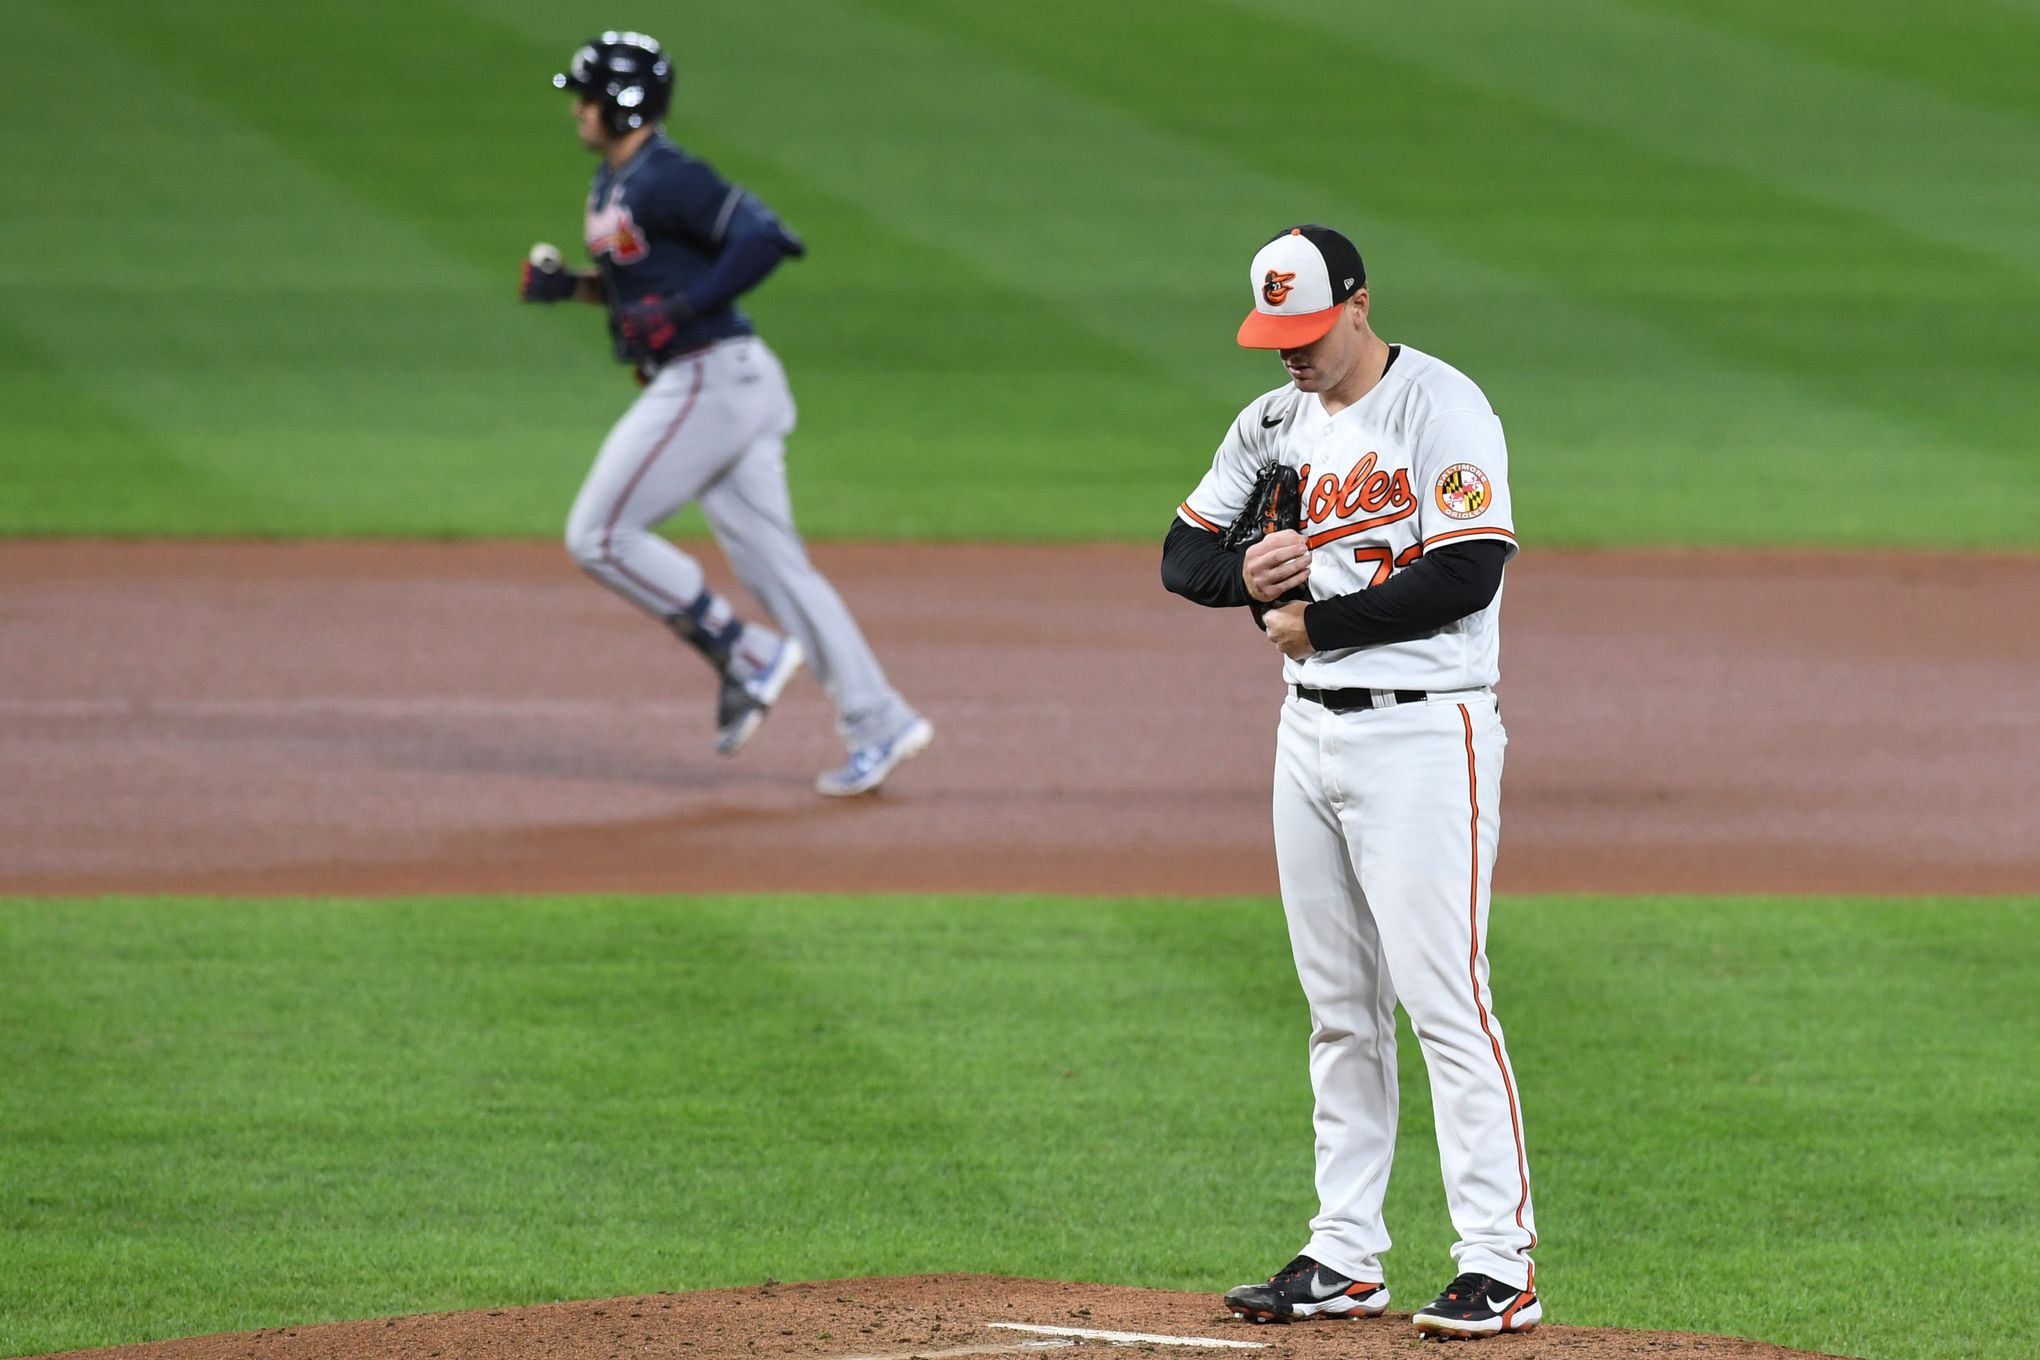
x=919, y=1317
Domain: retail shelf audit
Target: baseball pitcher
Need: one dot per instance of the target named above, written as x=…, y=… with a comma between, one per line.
x=1362, y=511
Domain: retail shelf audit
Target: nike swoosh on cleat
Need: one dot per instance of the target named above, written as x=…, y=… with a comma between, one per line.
x=1320, y=1288
x=1503, y=1304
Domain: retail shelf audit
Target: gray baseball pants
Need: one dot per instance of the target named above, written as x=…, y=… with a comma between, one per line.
x=711, y=427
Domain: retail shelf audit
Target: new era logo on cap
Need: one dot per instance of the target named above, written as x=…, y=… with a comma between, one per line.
x=1301, y=278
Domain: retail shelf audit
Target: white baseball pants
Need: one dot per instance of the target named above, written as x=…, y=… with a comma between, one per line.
x=1386, y=826
x=712, y=427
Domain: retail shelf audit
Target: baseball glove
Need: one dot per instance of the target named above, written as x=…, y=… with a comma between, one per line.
x=1275, y=503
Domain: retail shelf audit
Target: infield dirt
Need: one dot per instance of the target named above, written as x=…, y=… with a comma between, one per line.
x=925, y=1317
x=404, y=718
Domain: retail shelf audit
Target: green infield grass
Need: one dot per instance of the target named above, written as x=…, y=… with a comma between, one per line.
x=1732, y=273
x=1807, y=1121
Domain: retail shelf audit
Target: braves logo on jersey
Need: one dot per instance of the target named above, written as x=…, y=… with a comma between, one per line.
x=610, y=231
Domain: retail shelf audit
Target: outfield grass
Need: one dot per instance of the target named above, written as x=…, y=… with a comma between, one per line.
x=1805, y=1121
x=1732, y=273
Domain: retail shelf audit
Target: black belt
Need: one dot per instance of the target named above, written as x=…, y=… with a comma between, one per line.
x=1345, y=700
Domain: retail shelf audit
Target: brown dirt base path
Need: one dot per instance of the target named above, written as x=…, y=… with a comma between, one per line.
x=927, y=1317
x=361, y=718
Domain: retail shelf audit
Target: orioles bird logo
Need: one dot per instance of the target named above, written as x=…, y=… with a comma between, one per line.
x=1276, y=287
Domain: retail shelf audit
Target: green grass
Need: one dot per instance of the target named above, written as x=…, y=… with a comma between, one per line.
x=1804, y=1121
x=1732, y=273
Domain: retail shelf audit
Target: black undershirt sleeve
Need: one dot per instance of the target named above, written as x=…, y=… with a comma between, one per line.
x=1440, y=587
x=1197, y=568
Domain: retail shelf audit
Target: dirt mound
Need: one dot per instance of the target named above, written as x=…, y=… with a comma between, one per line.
x=920, y=1317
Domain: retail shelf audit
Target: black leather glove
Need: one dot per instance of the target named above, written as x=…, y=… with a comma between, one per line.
x=649, y=325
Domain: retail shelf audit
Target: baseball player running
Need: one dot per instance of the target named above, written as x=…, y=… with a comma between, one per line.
x=674, y=246
x=1388, y=766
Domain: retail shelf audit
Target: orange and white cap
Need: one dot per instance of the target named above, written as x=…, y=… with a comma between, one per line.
x=1300, y=279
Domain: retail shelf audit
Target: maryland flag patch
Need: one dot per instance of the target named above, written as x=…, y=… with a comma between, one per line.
x=1464, y=491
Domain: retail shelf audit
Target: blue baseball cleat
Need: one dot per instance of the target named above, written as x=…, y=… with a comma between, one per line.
x=869, y=765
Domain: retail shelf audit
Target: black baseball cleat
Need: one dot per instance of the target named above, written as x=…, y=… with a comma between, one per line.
x=1474, y=1306
x=737, y=717
x=741, y=705
x=1305, y=1289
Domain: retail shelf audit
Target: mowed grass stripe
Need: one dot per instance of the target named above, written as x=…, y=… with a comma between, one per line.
x=434, y=1128
x=321, y=359
x=1969, y=52
x=900, y=426
x=1015, y=323
x=137, y=477
x=1744, y=334
x=234, y=1114
x=1196, y=152
x=1941, y=169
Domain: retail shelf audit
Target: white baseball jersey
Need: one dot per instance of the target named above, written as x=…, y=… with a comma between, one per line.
x=1417, y=462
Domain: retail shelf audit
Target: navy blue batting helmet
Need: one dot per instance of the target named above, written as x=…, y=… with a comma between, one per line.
x=628, y=74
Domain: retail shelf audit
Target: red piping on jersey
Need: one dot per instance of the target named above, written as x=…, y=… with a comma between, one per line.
x=1318, y=540
x=616, y=511
x=1185, y=508
x=1473, y=972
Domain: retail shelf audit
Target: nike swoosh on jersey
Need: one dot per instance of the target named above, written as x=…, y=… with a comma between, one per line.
x=1268, y=424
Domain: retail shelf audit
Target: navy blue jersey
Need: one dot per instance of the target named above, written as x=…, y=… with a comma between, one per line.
x=656, y=227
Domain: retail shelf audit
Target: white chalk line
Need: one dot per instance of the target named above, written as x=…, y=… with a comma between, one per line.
x=1012, y=1348
x=1058, y=1338
x=1133, y=1338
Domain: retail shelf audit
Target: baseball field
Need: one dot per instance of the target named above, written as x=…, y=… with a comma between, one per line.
x=388, y=966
